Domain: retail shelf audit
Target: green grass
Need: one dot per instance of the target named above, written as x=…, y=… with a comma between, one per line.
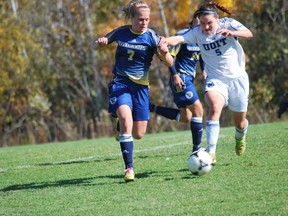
x=86, y=177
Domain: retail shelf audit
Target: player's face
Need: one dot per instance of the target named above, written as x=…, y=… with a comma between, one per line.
x=141, y=20
x=209, y=23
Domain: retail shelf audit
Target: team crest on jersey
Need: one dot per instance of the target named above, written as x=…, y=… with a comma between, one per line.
x=113, y=100
x=210, y=84
x=189, y=95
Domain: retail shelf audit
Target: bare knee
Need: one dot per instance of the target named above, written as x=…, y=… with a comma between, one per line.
x=184, y=119
x=138, y=135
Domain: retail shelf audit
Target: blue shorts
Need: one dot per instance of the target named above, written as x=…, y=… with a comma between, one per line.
x=124, y=91
x=188, y=95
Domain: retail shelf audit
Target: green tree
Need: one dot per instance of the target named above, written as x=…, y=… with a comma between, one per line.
x=21, y=97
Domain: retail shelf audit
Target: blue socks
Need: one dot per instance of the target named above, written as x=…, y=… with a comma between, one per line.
x=170, y=113
x=196, y=128
x=126, y=144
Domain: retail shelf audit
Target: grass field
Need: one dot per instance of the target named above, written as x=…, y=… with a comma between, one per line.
x=86, y=177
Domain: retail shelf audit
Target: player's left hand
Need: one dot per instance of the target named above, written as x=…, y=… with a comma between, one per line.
x=162, y=46
x=178, y=83
x=225, y=32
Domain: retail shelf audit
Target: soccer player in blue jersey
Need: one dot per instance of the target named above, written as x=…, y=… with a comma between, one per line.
x=129, y=91
x=227, y=82
x=183, y=71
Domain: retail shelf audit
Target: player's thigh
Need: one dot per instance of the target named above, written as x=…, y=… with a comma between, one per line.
x=124, y=114
x=239, y=94
x=216, y=94
x=119, y=94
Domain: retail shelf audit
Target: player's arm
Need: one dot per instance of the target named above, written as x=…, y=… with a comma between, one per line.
x=177, y=81
x=243, y=33
x=174, y=40
x=164, y=52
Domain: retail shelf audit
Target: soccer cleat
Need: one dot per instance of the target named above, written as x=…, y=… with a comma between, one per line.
x=213, y=156
x=129, y=175
x=240, y=146
x=115, y=128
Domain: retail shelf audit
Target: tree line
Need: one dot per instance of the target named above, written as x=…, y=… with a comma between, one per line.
x=54, y=86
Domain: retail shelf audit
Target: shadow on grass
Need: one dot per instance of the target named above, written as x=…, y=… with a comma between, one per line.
x=71, y=182
x=73, y=162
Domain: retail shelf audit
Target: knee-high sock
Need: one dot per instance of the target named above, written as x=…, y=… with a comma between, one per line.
x=126, y=144
x=239, y=134
x=167, y=112
x=212, y=134
x=196, y=128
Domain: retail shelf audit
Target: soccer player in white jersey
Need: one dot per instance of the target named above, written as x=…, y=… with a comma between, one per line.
x=129, y=90
x=227, y=82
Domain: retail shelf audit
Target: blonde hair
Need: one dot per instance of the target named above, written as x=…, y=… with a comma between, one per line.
x=131, y=9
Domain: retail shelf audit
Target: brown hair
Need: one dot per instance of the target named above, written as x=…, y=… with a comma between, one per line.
x=211, y=8
x=130, y=10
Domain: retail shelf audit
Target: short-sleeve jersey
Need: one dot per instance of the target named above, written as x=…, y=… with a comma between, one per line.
x=223, y=56
x=186, y=56
x=134, y=53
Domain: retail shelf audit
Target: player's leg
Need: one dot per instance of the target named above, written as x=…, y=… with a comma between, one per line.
x=167, y=112
x=196, y=124
x=241, y=128
x=216, y=99
x=120, y=102
x=238, y=104
x=215, y=103
x=126, y=140
x=136, y=124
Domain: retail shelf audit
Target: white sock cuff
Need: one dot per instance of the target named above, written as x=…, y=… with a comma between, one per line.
x=197, y=119
x=212, y=123
x=125, y=137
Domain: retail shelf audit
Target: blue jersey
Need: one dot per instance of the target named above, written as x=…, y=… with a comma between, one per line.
x=134, y=53
x=186, y=56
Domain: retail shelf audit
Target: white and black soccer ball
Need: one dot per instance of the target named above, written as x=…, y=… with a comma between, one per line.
x=199, y=162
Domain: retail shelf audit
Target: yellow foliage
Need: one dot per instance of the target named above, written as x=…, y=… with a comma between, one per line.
x=184, y=10
x=18, y=80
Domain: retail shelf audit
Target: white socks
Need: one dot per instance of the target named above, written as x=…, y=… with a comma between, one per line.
x=239, y=134
x=212, y=134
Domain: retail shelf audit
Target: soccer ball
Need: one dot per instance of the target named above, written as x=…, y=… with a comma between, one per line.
x=199, y=162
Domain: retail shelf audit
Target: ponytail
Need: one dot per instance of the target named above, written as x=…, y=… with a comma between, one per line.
x=211, y=8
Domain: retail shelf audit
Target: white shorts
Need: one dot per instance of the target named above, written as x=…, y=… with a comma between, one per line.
x=235, y=93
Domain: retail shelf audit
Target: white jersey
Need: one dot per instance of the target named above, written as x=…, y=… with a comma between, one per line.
x=223, y=56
